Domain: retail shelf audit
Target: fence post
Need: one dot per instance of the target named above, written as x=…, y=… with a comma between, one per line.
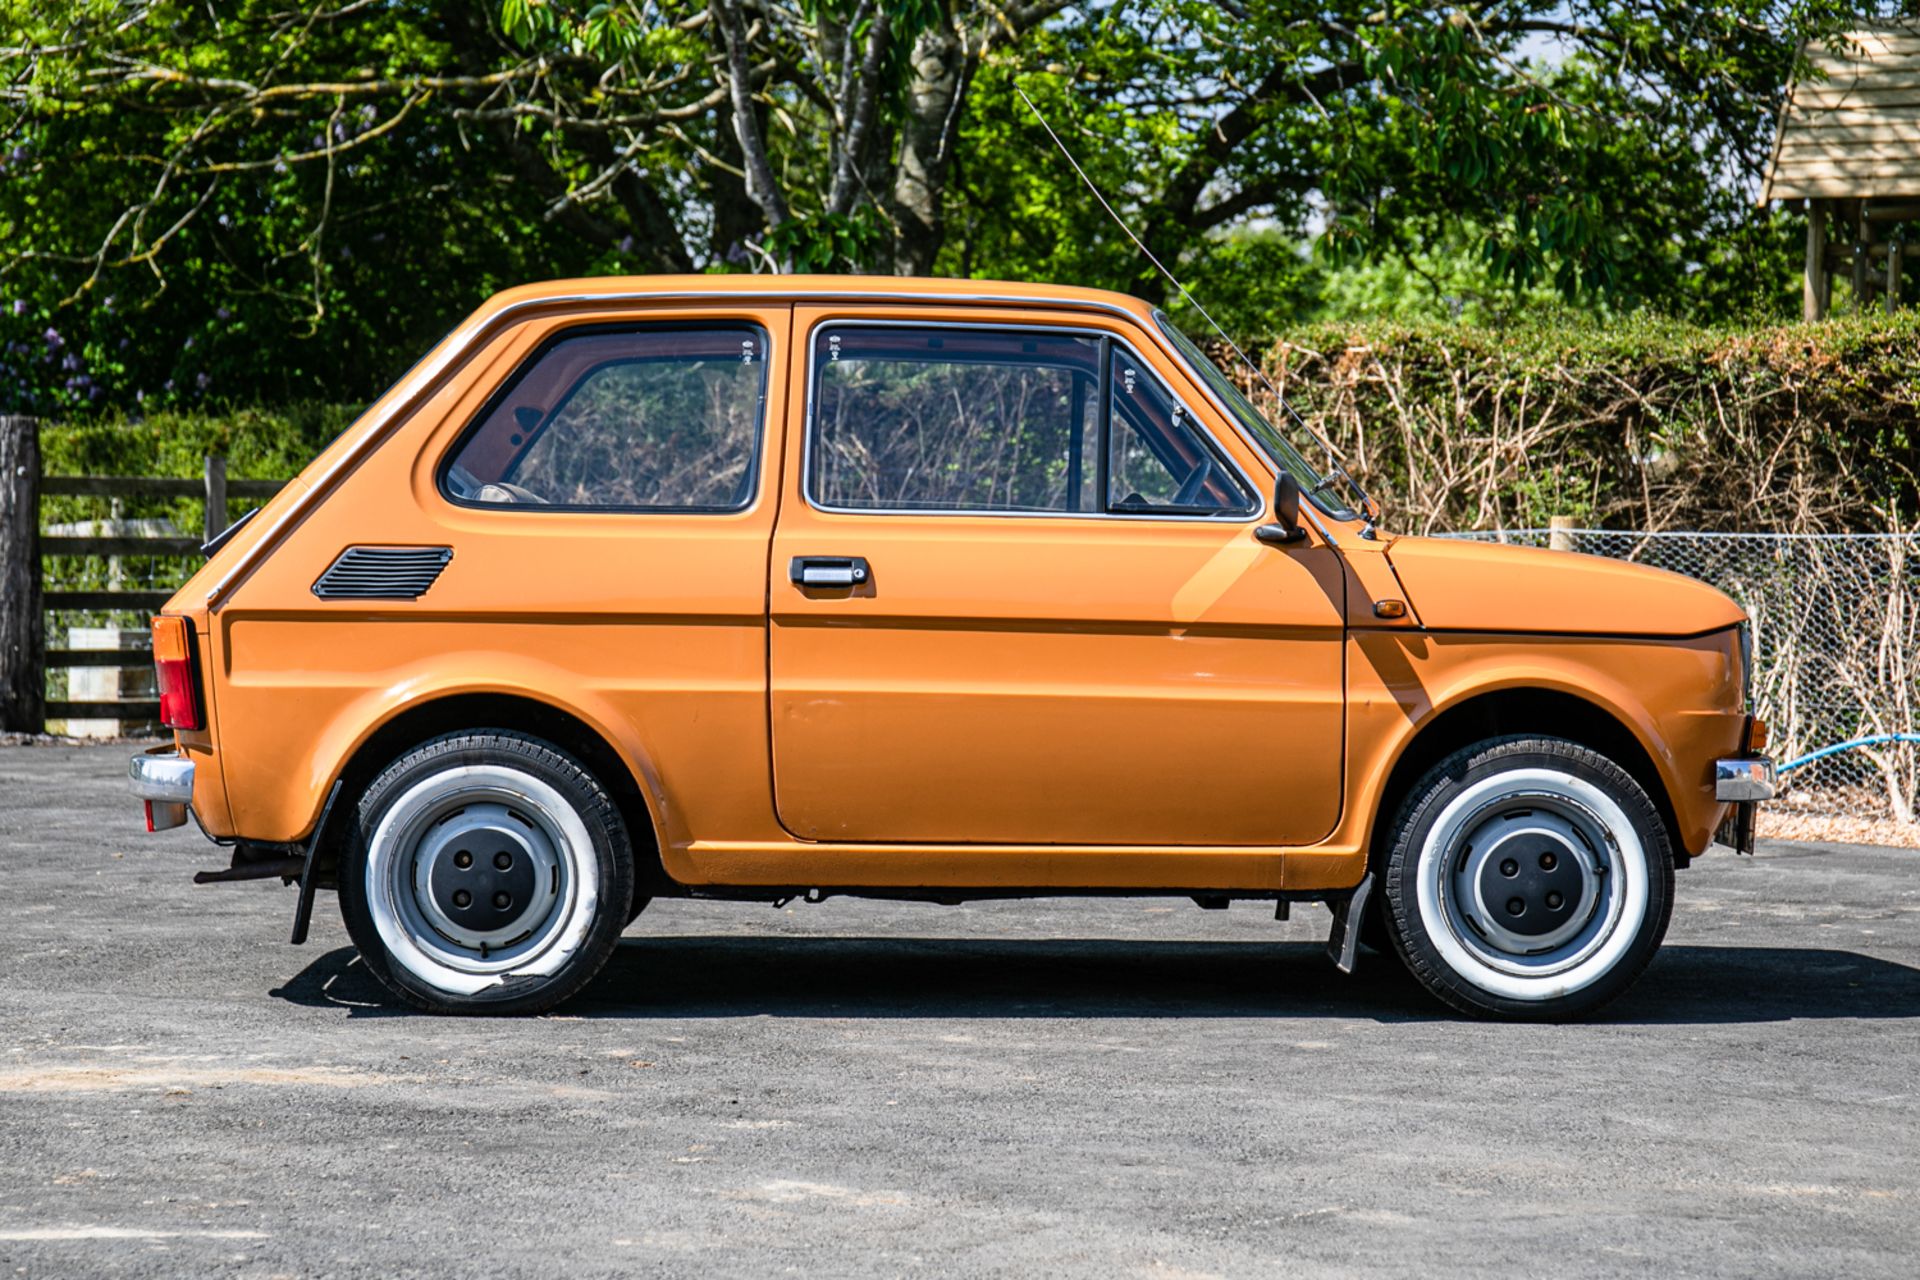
x=23, y=648
x=216, y=474
x=1560, y=533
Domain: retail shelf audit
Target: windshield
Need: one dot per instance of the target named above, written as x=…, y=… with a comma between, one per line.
x=1322, y=493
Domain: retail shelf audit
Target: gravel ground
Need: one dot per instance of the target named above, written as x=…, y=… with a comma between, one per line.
x=1075, y=1088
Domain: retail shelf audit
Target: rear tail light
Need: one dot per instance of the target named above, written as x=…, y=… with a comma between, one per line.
x=173, y=671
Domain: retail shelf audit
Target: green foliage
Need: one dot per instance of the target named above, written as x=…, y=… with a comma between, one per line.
x=1637, y=423
x=268, y=201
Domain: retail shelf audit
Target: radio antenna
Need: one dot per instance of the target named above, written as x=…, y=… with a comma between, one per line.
x=1333, y=455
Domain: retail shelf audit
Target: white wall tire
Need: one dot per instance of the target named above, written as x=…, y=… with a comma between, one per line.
x=1527, y=878
x=488, y=873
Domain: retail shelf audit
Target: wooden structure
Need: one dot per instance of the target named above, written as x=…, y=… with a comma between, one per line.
x=1848, y=146
x=24, y=655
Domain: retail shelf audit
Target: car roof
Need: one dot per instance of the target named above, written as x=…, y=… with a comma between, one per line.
x=822, y=288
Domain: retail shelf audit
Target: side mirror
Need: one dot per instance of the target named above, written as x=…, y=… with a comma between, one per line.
x=1285, y=529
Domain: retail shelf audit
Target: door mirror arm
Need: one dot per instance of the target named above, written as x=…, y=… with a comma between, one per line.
x=1285, y=529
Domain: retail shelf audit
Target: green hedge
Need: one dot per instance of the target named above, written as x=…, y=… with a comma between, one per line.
x=1639, y=424
x=269, y=444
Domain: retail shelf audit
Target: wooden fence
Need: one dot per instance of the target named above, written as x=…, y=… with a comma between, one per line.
x=25, y=657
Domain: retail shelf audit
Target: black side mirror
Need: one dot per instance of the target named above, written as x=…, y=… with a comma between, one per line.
x=1285, y=529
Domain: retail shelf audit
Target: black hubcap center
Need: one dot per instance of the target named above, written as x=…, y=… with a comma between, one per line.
x=484, y=886
x=1534, y=887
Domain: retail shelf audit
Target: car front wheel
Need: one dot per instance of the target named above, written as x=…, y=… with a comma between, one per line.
x=1528, y=878
x=487, y=872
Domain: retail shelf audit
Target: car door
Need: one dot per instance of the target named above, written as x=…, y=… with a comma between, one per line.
x=1017, y=598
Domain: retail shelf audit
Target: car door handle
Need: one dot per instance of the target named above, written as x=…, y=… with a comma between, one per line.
x=828, y=571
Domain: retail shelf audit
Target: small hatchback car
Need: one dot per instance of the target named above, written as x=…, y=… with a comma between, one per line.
x=754, y=587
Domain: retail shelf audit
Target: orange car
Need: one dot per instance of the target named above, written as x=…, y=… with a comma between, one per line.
x=753, y=587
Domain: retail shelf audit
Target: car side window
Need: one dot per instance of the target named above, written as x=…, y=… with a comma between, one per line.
x=954, y=420
x=925, y=418
x=656, y=418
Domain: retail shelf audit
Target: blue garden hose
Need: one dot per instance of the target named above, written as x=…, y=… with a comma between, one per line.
x=1834, y=750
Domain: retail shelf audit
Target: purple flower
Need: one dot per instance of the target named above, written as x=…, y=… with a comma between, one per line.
x=124, y=342
x=18, y=154
x=223, y=314
x=224, y=220
x=139, y=397
x=201, y=380
x=19, y=306
x=187, y=345
x=94, y=393
x=110, y=300
x=369, y=113
x=279, y=166
x=625, y=245
x=70, y=362
x=169, y=385
x=54, y=340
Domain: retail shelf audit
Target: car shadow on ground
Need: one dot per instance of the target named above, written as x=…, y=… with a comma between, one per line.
x=911, y=977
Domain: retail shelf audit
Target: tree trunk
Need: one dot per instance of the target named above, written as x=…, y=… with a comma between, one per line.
x=23, y=648
x=935, y=97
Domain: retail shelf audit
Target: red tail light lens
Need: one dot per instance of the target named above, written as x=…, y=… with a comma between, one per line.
x=173, y=671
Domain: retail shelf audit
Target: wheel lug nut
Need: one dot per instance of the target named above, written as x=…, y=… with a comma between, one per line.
x=1554, y=900
x=1509, y=868
x=463, y=859
x=502, y=901
x=462, y=898
x=503, y=859
x=1515, y=906
x=1548, y=861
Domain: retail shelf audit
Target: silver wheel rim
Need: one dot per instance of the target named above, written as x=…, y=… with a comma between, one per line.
x=1532, y=883
x=480, y=873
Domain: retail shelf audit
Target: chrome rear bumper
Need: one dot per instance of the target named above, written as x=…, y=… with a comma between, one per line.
x=1744, y=779
x=163, y=779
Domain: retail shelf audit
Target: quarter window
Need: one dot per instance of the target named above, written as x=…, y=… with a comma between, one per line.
x=1157, y=457
x=654, y=419
x=954, y=419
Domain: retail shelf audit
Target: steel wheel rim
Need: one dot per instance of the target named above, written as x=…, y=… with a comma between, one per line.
x=1515, y=815
x=482, y=810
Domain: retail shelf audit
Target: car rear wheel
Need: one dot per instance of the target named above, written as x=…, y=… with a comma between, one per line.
x=487, y=872
x=1527, y=878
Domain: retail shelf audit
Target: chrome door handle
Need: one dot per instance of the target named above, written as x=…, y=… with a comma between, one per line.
x=828, y=571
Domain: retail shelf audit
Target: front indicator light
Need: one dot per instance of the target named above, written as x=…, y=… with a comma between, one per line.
x=174, y=674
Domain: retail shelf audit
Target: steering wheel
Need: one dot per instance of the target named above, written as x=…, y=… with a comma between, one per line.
x=1196, y=481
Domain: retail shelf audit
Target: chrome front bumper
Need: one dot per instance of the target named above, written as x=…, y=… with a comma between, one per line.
x=1744, y=779
x=163, y=779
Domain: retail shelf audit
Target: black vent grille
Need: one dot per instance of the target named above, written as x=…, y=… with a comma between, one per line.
x=382, y=573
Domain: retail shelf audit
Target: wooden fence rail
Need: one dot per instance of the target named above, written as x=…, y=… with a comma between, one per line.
x=25, y=658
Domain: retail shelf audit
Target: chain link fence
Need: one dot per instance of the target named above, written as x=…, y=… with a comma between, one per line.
x=1836, y=632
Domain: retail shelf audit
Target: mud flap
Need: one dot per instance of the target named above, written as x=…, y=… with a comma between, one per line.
x=1737, y=830
x=1343, y=943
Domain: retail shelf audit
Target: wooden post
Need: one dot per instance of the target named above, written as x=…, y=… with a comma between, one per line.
x=23, y=623
x=1560, y=533
x=1813, y=291
x=1895, y=256
x=216, y=474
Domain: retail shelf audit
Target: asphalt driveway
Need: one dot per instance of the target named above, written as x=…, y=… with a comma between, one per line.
x=1074, y=1088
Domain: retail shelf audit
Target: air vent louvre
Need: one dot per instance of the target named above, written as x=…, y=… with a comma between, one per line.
x=382, y=573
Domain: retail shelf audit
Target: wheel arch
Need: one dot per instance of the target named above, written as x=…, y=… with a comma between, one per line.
x=1513, y=711
x=455, y=712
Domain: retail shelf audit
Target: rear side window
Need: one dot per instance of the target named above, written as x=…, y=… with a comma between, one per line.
x=956, y=419
x=662, y=418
